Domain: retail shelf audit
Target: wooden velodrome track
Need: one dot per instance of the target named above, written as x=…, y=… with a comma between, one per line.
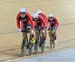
x=10, y=39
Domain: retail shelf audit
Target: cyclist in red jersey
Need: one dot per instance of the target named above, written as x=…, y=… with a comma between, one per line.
x=40, y=25
x=53, y=24
x=24, y=19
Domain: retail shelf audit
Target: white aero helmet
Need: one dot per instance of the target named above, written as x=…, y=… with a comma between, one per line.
x=35, y=15
x=38, y=11
x=23, y=10
x=50, y=15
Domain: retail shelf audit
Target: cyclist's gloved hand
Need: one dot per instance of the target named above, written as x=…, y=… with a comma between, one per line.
x=19, y=30
x=43, y=30
x=55, y=28
x=53, y=31
x=47, y=28
x=32, y=31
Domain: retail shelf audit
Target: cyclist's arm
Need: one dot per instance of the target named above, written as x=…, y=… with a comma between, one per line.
x=30, y=20
x=45, y=17
x=57, y=23
x=18, y=21
x=43, y=21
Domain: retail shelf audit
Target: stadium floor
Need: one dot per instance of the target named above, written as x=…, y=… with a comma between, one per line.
x=67, y=55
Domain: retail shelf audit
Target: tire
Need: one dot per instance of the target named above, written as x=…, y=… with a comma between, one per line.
x=31, y=50
x=36, y=47
x=51, y=44
x=42, y=48
x=24, y=46
x=42, y=45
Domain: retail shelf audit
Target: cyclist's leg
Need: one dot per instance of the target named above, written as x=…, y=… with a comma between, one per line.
x=37, y=42
x=54, y=30
x=36, y=36
x=24, y=40
x=44, y=34
x=50, y=35
x=32, y=44
x=23, y=35
x=43, y=41
x=54, y=41
x=24, y=45
x=55, y=36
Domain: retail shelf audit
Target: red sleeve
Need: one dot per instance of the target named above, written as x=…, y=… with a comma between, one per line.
x=30, y=20
x=57, y=23
x=43, y=21
x=18, y=21
x=45, y=18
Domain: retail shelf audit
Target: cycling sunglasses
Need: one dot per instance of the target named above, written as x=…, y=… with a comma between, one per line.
x=22, y=12
x=50, y=17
